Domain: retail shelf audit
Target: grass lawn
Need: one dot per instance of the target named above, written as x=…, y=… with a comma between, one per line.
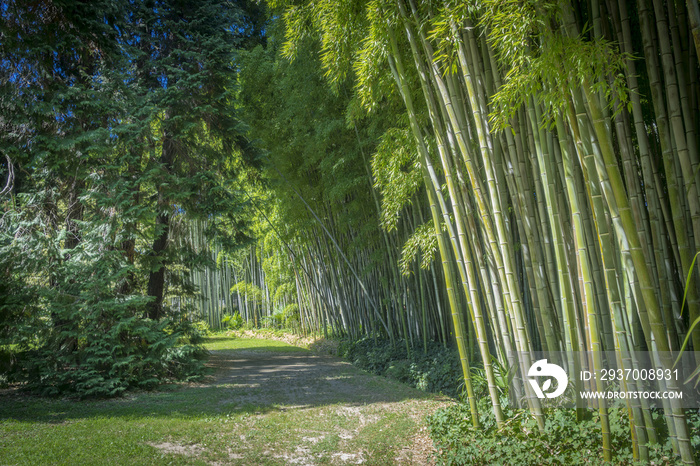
x=266, y=403
x=223, y=342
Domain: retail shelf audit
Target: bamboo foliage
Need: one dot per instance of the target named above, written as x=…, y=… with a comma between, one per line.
x=550, y=166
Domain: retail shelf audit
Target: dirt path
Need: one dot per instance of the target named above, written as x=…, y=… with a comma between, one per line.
x=296, y=380
x=309, y=409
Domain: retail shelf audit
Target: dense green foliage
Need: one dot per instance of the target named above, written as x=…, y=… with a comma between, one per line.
x=102, y=344
x=321, y=246
x=565, y=440
x=119, y=130
x=435, y=371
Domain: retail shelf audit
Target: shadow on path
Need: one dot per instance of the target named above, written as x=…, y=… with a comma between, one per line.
x=300, y=379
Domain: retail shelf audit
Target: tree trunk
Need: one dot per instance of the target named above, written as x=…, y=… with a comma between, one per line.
x=156, y=279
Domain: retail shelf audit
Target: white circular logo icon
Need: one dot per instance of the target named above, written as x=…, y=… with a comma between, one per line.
x=542, y=369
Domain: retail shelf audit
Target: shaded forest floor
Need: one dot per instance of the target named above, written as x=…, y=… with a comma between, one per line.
x=266, y=402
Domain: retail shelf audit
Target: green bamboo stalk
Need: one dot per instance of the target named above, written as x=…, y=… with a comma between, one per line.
x=399, y=76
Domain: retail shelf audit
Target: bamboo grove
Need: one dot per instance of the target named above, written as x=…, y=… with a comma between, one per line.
x=543, y=153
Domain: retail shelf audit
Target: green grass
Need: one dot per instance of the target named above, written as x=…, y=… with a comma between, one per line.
x=215, y=422
x=223, y=342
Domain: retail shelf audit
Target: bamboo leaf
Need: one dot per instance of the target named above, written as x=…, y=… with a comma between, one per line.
x=687, y=281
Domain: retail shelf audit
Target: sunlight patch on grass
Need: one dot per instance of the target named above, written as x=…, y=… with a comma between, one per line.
x=223, y=342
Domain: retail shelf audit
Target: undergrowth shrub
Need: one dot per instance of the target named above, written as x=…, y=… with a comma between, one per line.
x=71, y=326
x=436, y=370
x=565, y=440
x=101, y=357
x=232, y=321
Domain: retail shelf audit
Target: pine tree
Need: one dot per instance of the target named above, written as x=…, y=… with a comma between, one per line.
x=119, y=122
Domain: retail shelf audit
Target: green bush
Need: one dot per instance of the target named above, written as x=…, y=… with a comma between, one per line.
x=78, y=333
x=233, y=321
x=200, y=330
x=292, y=316
x=435, y=370
x=519, y=442
x=107, y=357
x=274, y=321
